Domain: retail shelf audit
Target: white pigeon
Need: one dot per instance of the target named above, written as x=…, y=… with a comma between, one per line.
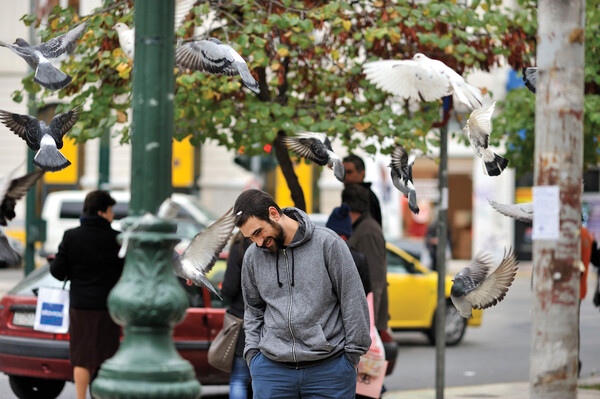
x=168, y=209
x=401, y=173
x=478, y=129
x=317, y=148
x=38, y=57
x=421, y=78
x=522, y=211
x=473, y=290
x=46, y=140
x=530, y=78
x=127, y=34
x=213, y=56
x=202, y=253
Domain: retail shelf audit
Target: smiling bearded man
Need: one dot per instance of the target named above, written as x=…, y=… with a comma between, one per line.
x=306, y=317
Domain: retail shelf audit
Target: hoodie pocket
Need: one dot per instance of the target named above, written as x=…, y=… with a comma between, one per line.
x=313, y=339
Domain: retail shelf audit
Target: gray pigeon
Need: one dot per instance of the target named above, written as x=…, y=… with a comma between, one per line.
x=530, y=78
x=38, y=57
x=212, y=56
x=401, y=173
x=202, y=253
x=317, y=148
x=8, y=255
x=478, y=129
x=473, y=290
x=522, y=211
x=46, y=140
x=11, y=190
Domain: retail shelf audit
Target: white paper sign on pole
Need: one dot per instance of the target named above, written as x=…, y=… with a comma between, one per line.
x=546, y=211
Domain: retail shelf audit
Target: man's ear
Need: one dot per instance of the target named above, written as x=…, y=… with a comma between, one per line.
x=273, y=214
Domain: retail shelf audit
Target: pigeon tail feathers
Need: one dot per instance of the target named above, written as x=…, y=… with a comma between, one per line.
x=338, y=170
x=495, y=167
x=204, y=281
x=48, y=158
x=412, y=202
x=247, y=77
x=50, y=77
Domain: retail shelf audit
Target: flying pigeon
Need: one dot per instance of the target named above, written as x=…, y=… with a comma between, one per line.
x=473, y=290
x=522, y=211
x=8, y=255
x=46, y=140
x=38, y=57
x=202, y=253
x=317, y=148
x=13, y=189
x=530, y=78
x=478, y=129
x=168, y=209
x=401, y=173
x=212, y=56
x=421, y=79
x=127, y=34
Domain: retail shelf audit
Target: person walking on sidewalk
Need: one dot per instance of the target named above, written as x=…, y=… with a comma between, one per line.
x=88, y=257
x=306, y=318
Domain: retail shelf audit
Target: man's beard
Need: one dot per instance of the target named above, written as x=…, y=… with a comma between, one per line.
x=278, y=239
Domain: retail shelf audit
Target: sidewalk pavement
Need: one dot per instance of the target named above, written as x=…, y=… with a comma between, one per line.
x=514, y=390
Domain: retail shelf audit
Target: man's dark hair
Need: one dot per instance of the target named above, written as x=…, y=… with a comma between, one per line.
x=98, y=200
x=359, y=164
x=254, y=203
x=356, y=197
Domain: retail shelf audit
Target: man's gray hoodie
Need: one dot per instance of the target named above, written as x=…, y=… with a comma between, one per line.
x=306, y=302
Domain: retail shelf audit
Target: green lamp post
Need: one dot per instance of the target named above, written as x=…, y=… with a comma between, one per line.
x=148, y=301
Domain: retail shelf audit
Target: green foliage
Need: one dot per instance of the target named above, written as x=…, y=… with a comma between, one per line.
x=517, y=119
x=308, y=55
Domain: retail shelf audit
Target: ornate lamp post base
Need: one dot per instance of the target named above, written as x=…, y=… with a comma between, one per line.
x=148, y=301
x=146, y=366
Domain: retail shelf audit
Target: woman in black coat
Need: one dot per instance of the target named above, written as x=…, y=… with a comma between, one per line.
x=88, y=257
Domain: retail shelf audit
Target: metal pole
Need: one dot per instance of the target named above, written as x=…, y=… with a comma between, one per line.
x=148, y=300
x=32, y=221
x=442, y=234
x=557, y=199
x=104, y=161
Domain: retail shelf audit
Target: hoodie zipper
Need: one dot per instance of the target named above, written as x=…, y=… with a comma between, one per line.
x=287, y=268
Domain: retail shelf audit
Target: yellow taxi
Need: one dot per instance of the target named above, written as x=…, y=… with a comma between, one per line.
x=412, y=292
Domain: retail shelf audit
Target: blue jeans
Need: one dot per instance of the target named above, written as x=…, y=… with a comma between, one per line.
x=334, y=379
x=239, y=379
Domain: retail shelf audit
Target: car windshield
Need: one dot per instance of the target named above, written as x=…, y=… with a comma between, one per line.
x=397, y=264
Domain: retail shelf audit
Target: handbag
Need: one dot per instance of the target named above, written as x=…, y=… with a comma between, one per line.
x=222, y=349
x=52, y=310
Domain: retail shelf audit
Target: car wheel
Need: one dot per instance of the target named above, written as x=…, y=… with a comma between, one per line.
x=35, y=388
x=455, y=326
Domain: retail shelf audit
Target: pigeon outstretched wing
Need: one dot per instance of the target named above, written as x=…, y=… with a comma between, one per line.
x=13, y=189
x=64, y=43
x=522, y=211
x=310, y=145
x=25, y=126
x=493, y=289
x=62, y=123
x=8, y=254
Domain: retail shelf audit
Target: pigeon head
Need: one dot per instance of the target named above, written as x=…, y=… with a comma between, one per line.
x=458, y=288
x=21, y=42
x=120, y=27
x=419, y=56
x=214, y=40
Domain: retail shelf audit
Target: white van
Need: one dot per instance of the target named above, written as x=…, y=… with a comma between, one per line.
x=62, y=209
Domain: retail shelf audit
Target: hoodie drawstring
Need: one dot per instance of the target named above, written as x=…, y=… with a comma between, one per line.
x=277, y=268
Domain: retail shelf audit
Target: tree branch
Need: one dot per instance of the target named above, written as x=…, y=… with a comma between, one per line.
x=287, y=168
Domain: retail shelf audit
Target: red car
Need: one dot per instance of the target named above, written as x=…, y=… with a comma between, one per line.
x=37, y=363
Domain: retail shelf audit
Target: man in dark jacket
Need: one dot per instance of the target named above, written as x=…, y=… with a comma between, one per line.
x=367, y=237
x=88, y=257
x=306, y=317
x=355, y=174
